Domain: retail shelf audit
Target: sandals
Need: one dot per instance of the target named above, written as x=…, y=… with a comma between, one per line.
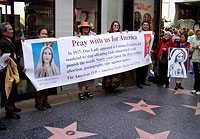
x=87, y=94
x=81, y=96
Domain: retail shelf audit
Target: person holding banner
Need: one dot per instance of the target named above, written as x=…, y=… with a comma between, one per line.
x=141, y=72
x=84, y=28
x=178, y=57
x=115, y=27
x=9, y=76
x=110, y=83
x=195, y=49
x=41, y=97
x=162, y=56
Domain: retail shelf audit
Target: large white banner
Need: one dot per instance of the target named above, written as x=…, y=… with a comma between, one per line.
x=52, y=62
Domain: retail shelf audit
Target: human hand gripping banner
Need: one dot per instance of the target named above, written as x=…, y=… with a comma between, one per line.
x=52, y=62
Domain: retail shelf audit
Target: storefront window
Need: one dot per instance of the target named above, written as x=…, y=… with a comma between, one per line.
x=38, y=14
x=143, y=11
x=85, y=10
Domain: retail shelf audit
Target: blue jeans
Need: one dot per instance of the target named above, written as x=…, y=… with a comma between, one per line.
x=191, y=66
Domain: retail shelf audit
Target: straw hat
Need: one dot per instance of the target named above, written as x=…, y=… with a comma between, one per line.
x=84, y=24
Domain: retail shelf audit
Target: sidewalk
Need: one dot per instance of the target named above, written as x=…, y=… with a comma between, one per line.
x=68, y=94
x=152, y=112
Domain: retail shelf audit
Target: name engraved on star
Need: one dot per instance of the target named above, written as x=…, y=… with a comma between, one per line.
x=70, y=133
x=143, y=105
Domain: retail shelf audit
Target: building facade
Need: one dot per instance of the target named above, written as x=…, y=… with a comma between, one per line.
x=181, y=13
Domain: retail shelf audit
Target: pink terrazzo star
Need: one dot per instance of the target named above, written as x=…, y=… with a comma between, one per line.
x=142, y=106
x=197, y=108
x=186, y=92
x=145, y=135
x=69, y=132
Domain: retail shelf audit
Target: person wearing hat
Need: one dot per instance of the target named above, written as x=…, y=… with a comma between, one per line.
x=195, y=49
x=84, y=29
x=162, y=56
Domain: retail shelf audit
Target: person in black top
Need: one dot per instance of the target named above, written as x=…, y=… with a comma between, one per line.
x=141, y=72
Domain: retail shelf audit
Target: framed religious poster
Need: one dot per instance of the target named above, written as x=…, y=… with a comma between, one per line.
x=143, y=11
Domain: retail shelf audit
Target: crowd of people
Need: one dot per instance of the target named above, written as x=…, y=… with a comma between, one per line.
x=178, y=38
x=170, y=38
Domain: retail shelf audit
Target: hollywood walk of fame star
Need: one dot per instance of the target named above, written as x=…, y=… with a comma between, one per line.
x=197, y=108
x=145, y=135
x=69, y=132
x=186, y=92
x=142, y=106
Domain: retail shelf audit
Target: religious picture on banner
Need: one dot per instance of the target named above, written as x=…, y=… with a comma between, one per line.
x=147, y=40
x=46, y=59
x=177, y=63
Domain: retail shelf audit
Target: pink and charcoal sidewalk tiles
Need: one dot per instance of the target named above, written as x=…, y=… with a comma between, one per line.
x=151, y=113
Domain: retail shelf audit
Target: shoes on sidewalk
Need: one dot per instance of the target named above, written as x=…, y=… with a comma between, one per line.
x=47, y=105
x=194, y=92
x=81, y=96
x=88, y=94
x=17, y=110
x=139, y=86
x=40, y=108
x=166, y=86
x=198, y=93
x=147, y=84
x=2, y=127
x=15, y=116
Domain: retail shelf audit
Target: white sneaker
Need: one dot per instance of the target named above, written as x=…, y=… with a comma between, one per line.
x=198, y=93
x=193, y=91
x=99, y=84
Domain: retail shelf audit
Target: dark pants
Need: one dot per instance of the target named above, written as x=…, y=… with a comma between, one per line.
x=162, y=77
x=196, y=66
x=84, y=86
x=10, y=102
x=41, y=98
x=141, y=74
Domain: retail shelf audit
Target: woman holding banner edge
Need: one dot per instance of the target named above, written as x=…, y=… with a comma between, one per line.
x=41, y=97
x=111, y=82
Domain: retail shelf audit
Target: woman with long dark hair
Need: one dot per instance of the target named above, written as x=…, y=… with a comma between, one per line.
x=41, y=97
x=111, y=82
